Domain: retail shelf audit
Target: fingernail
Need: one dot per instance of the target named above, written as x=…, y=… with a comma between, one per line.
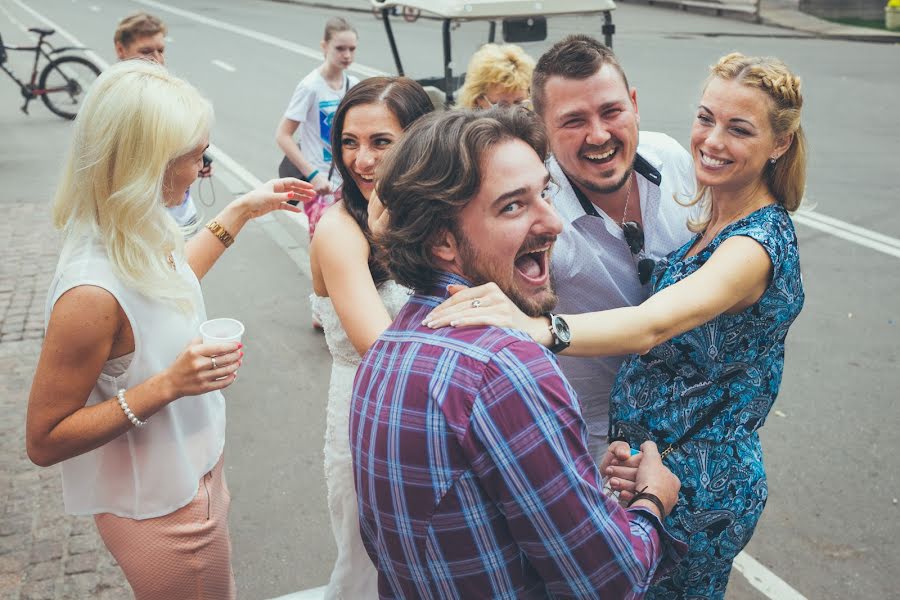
x=242, y=354
x=290, y=194
x=240, y=345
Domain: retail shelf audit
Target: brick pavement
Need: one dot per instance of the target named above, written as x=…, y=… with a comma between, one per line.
x=44, y=554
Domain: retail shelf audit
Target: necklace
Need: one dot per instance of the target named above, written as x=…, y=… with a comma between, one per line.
x=627, y=196
x=171, y=260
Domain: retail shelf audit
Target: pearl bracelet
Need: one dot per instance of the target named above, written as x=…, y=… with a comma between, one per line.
x=131, y=416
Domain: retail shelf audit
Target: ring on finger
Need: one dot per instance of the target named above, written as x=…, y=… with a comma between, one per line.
x=214, y=365
x=476, y=303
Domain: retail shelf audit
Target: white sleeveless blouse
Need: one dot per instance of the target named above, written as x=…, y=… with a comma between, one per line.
x=154, y=470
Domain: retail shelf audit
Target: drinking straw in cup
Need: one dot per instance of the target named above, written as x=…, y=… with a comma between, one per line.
x=221, y=331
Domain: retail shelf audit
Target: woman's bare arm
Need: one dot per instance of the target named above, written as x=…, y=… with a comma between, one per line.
x=83, y=327
x=734, y=277
x=341, y=252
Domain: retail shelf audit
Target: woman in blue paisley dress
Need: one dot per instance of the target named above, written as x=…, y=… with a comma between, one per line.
x=710, y=340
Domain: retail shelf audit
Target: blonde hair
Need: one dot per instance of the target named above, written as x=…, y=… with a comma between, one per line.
x=786, y=179
x=505, y=65
x=135, y=122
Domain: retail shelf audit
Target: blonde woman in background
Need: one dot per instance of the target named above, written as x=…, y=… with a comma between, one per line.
x=498, y=75
x=125, y=395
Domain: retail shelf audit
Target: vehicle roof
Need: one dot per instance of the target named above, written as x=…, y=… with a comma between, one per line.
x=495, y=9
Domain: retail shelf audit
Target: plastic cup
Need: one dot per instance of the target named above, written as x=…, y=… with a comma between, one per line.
x=221, y=331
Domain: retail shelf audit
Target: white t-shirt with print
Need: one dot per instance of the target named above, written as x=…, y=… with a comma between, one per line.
x=313, y=106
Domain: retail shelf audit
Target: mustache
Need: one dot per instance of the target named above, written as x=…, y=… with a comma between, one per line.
x=536, y=242
x=592, y=149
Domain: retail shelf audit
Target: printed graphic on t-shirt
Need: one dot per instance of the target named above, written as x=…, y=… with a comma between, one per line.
x=327, y=109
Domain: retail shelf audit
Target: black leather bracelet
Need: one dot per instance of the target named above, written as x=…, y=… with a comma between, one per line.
x=652, y=498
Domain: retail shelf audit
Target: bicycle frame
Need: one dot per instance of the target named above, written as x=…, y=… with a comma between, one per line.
x=29, y=89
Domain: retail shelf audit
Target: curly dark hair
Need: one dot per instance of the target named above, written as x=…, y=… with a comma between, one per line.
x=408, y=101
x=432, y=174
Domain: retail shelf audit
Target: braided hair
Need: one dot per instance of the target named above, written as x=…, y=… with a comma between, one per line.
x=786, y=179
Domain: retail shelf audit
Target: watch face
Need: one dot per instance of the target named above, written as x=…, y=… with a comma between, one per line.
x=562, y=329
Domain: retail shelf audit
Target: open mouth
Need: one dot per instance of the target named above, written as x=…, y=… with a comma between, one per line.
x=365, y=179
x=601, y=157
x=533, y=265
x=712, y=162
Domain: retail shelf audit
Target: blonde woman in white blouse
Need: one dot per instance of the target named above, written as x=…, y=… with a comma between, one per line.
x=125, y=395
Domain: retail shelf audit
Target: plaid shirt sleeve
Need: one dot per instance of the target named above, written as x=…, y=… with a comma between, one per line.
x=526, y=443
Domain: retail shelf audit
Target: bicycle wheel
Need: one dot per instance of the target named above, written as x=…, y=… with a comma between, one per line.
x=65, y=82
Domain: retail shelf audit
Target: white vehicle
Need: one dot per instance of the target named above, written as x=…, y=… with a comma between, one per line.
x=521, y=20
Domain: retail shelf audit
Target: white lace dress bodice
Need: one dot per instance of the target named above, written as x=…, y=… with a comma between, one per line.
x=354, y=577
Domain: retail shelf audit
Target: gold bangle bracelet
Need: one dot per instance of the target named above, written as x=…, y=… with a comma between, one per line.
x=220, y=232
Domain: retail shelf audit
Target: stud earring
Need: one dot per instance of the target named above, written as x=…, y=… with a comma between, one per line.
x=772, y=161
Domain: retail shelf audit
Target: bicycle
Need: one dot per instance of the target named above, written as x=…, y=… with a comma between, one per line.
x=63, y=81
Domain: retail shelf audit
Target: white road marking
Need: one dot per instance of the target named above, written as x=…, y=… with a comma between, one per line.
x=13, y=20
x=851, y=233
x=308, y=51
x=310, y=594
x=764, y=580
x=89, y=53
x=224, y=65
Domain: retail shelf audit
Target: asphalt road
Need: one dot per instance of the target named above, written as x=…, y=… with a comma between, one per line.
x=831, y=524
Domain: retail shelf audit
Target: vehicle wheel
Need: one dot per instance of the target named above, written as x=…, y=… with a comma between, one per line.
x=65, y=82
x=410, y=14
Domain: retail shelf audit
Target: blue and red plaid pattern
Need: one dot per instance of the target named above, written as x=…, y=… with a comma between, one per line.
x=473, y=473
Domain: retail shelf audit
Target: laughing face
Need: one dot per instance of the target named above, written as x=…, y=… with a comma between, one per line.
x=506, y=232
x=732, y=138
x=593, y=127
x=369, y=130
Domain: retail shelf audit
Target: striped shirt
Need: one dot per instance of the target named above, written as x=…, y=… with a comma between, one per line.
x=473, y=474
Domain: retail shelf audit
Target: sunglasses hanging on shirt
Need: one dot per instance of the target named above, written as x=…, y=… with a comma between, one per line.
x=632, y=230
x=634, y=237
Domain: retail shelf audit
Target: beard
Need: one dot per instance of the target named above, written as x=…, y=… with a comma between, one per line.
x=480, y=270
x=603, y=189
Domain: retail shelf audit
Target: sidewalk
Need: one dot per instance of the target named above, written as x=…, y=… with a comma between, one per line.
x=786, y=14
x=44, y=554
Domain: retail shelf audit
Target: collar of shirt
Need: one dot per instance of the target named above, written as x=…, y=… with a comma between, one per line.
x=439, y=288
x=570, y=211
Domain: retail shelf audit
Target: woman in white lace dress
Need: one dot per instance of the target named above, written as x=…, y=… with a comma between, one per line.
x=354, y=298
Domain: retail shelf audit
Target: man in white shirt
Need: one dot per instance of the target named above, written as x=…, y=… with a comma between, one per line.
x=142, y=35
x=615, y=199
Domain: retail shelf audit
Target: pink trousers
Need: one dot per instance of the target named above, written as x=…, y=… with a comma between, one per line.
x=182, y=555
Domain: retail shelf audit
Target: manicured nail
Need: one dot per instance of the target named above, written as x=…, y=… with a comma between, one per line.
x=242, y=354
x=240, y=345
x=290, y=194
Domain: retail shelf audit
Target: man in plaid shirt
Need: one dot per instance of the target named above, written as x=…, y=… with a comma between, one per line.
x=471, y=461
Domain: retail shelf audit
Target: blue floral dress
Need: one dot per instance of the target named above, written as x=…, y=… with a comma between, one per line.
x=737, y=358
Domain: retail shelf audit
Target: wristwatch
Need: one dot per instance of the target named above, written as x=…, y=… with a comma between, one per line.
x=559, y=329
